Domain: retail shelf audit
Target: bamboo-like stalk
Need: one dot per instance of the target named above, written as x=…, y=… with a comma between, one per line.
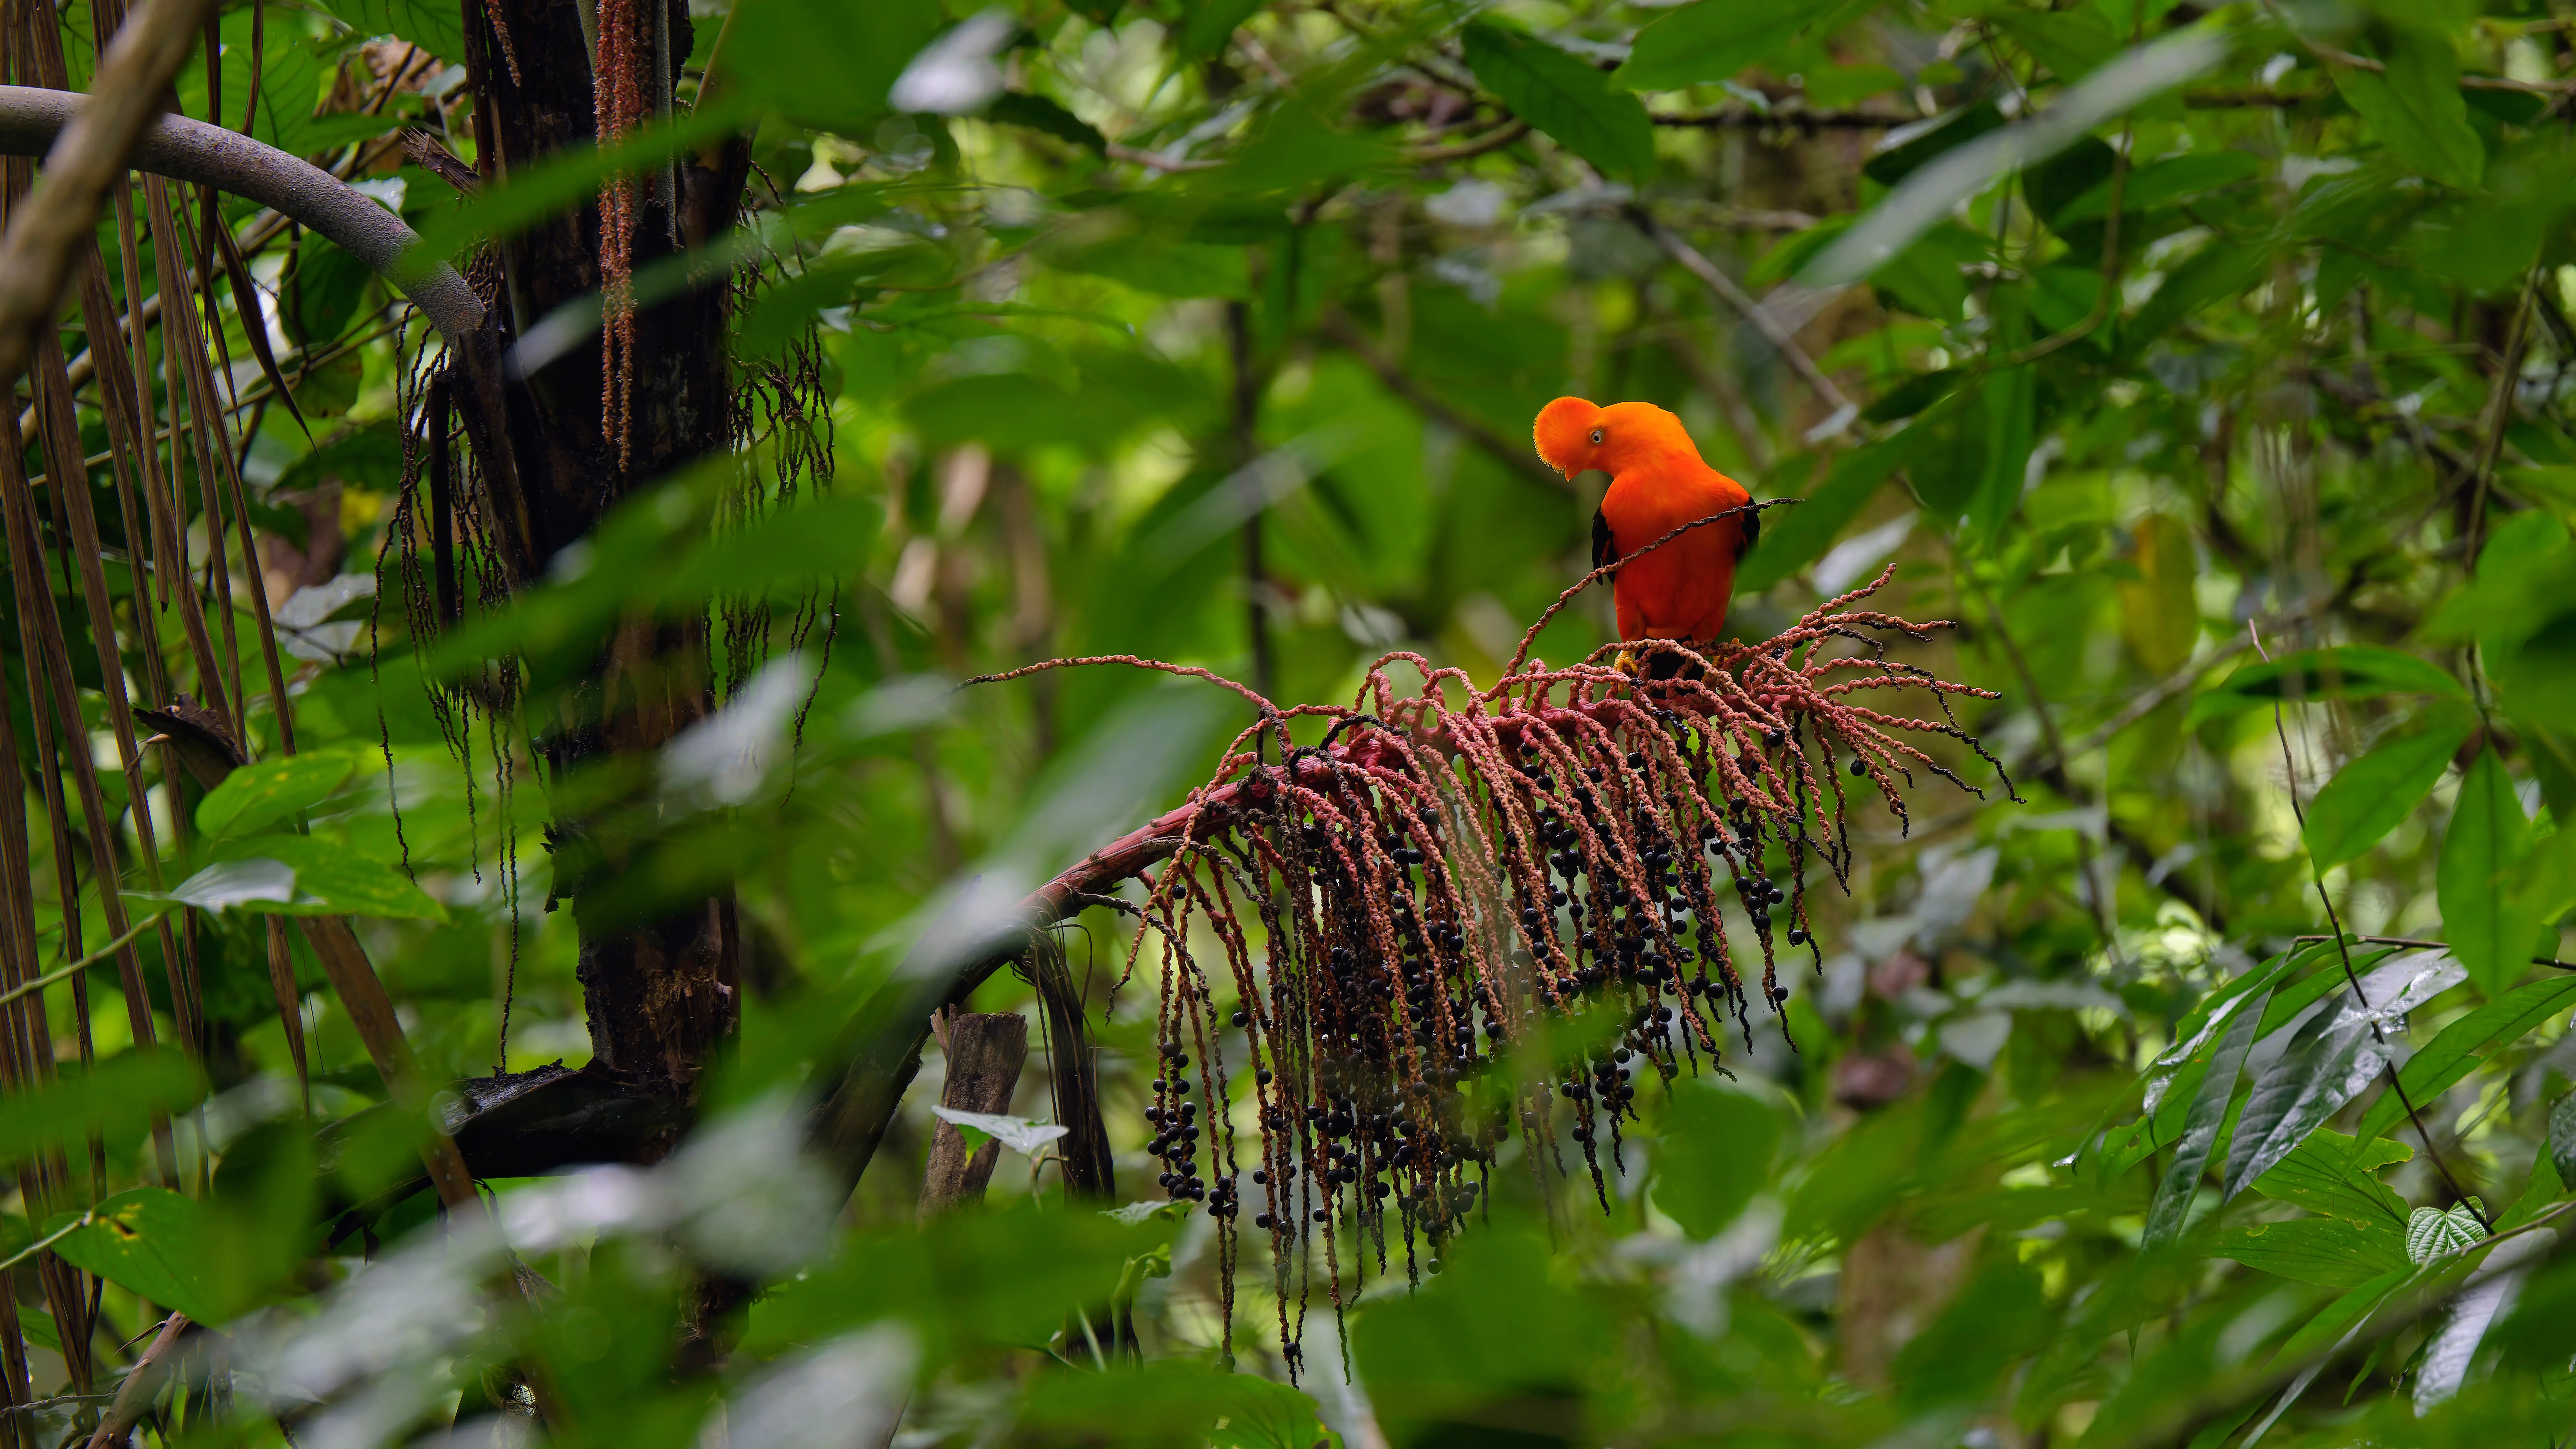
x=37, y=252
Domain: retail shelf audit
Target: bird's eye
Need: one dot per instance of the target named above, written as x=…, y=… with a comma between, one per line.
x=1596, y=437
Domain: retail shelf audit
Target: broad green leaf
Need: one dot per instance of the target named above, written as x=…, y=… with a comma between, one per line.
x=2172, y=1205
x=2316, y=986
x=152, y=1241
x=2369, y=797
x=1930, y=278
x=2011, y=398
x=1044, y=113
x=574, y=174
x=1793, y=538
x=1168, y=1402
x=248, y=882
x=827, y=63
x=2331, y=1252
x=1158, y=265
x=1211, y=25
x=1715, y=40
x=2431, y=1232
x=330, y=879
x=2069, y=42
x=2414, y=107
x=2221, y=269
x=2328, y=1063
x=1717, y=1148
x=1496, y=1321
x=2546, y=883
x=2335, y=1176
x=1925, y=141
x=2329, y=1325
x=114, y=1100
x=2002, y=1315
x=2161, y=183
x=2489, y=930
x=255, y=797
x=2173, y=1079
x=2455, y=1052
x=2351, y=671
x=300, y=875
x=434, y=27
x=1562, y=96
x=1007, y=1275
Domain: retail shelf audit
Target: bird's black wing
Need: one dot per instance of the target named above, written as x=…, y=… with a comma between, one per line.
x=1751, y=534
x=1605, y=549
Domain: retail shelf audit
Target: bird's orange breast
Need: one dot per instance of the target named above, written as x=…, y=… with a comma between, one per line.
x=1681, y=590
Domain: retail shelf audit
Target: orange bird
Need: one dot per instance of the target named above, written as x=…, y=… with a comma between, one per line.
x=1657, y=484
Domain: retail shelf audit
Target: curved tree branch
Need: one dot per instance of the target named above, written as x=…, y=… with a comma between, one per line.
x=185, y=150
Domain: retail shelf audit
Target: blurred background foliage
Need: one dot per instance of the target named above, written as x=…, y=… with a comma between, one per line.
x=2208, y=364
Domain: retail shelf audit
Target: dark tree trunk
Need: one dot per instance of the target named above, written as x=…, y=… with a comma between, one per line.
x=659, y=988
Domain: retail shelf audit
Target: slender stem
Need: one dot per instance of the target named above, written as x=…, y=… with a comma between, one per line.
x=27, y=988
x=48, y=1240
x=86, y=158
x=2343, y=949
x=2491, y=441
x=1751, y=310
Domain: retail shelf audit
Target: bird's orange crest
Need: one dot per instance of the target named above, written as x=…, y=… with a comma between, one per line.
x=1564, y=434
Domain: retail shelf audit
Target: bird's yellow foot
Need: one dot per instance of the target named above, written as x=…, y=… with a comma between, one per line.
x=1626, y=663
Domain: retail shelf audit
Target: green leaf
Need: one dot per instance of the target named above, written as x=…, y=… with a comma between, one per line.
x=229, y=885
x=1717, y=1148
x=1496, y=1320
x=2001, y=1315
x=2327, y=1063
x=1212, y=23
x=2415, y=109
x=2161, y=183
x=2338, y=1318
x=827, y=63
x=2069, y=42
x=1168, y=1402
x=2220, y=269
x=2488, y=928
x=2369, y=797
x=114, y=1101
x=151, y=1241
x=255, y=797
x=574, y=174
x=2172, y=1204
x=1922, y=147
x=1716, y=40
x=2334, y=1175
x=436, y=28
x=1560, y=95
x=2011, y=402
x=1043, y=113
x=2454, y=1053
x=2351, y=671
x=1793, y=538
x=300, y=875
x=1156, y=265
x=2331, y=1252
x=2431, y=1232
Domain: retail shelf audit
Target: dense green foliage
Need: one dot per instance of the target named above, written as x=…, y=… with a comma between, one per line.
x=2210, y=367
